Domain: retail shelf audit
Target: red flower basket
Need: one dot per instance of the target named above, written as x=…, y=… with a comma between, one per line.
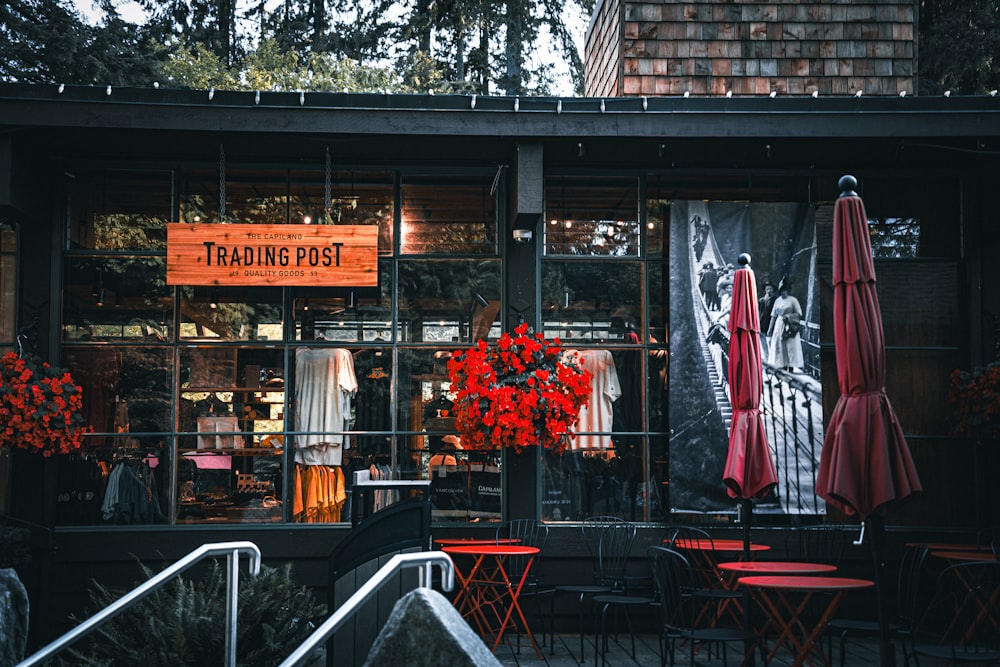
x=975, y=408
x=524, y=391
x=40, y=407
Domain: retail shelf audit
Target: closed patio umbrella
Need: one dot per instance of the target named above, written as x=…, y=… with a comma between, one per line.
x=865, y=464
x=750, y=471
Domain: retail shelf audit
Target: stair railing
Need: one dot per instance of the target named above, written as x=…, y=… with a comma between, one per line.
x=424, y=560
x=232, y=550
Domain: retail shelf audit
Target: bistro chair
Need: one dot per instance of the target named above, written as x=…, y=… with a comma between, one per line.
x=674, y=579
x=908, y=601
x=711, y=589
x=530, y=533
x=599, y=534
x=615, y=545
x=816, y=544
x=989, y=537
x=962, y=623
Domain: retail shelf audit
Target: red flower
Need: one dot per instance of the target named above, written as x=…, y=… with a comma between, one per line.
x=40, y=407
x=975, y=406
x=525, y=391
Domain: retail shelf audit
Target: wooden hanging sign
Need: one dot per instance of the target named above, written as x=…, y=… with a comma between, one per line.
x=272, y=255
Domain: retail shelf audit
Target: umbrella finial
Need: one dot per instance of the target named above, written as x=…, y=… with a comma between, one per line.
x=847, y=184
x=743, y=260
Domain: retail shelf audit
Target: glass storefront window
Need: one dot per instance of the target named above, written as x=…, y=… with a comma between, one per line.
x=346, y=314
x=448, y=214
x=592, y=216
x=8, y=285
x=301, y=197
x=231, y=313
x=594, y=301
x=119, y=210
x=446, y=301
x=116, y=298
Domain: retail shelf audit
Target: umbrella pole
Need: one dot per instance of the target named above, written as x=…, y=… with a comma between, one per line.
x=876, y=527
x=746, y=509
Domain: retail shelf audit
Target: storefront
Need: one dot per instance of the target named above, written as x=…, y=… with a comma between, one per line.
x=242, y=396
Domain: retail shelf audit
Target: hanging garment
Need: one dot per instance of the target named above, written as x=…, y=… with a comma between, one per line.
x=319, y=494
x=324, y=385
x=605, y=389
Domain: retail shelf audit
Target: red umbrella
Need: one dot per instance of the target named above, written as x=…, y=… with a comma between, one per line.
x=750, y=471
x=865, y=464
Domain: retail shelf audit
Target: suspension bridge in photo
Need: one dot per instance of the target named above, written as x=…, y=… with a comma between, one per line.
x=791, y=401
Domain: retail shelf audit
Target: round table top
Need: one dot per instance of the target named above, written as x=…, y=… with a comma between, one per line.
x=777, y=567
x=717, y=545
x=805, y=583
x=491, y=549
x=459, y=541
x=953, y=546
x=965, y=556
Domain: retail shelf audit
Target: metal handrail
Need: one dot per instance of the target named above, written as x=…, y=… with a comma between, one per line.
x=423, y=560
x=231, y=549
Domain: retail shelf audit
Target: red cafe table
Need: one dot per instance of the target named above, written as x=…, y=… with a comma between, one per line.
x=772, y=567
x=785, y=597
x=960, y=556
x=473, y=541
x=738, y=568
x=718, y=546
x=953, y=546
x=487, y=598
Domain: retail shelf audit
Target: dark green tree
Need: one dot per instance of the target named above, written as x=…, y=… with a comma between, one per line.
x=44, y=41
x=959, y=46
x=188, y=22
x=489, y=47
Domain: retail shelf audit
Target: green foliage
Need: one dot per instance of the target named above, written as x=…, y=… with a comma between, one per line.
x=183, y=623
x=959, y=47
x=14, y=550
x=268, y=68
x=42, y=41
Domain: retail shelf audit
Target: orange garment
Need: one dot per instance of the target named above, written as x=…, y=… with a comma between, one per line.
x=319, y=492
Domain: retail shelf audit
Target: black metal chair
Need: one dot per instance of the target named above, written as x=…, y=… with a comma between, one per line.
x=962, y=623
x=530, y=533
x=716, y=597
x=816, y=544
x=909, y=598
x=675, y=584
x=593, y=531
x=614, y=547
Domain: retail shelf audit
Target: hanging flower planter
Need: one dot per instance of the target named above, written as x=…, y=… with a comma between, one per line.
x=40, y=407
x=972, y=397
x=523, y=391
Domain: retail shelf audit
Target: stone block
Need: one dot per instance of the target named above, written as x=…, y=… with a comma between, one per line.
x=425, y=630
x=13, y=617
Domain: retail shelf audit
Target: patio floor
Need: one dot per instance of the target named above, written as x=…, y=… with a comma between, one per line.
x=861, y=652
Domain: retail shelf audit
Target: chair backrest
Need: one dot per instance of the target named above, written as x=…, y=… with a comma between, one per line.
x=698, y=549
x=989, y=537
x=610, y=541
x=675, y=536
x=910, y=587
x=672, y=583
x=965, y=611
x=816, y=544
x=529, y=533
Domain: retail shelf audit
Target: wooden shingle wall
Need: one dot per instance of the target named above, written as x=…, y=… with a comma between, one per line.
x=835, y=47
